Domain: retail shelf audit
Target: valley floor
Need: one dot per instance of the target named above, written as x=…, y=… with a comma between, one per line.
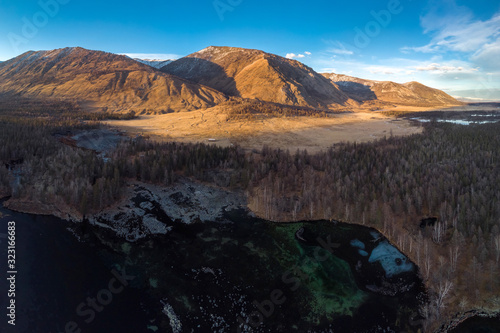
x=311, y=133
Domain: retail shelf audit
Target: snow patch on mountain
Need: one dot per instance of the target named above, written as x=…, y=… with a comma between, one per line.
x=155, y=63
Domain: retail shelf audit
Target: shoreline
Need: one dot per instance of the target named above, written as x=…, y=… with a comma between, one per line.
x=460, y=317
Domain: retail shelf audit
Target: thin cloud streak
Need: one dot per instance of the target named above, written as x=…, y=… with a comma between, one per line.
x=460, y=34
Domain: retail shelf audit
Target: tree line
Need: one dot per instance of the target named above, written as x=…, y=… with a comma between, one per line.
x=250, y=109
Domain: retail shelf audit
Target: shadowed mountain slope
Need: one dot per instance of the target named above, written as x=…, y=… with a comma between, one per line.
x=259, y=75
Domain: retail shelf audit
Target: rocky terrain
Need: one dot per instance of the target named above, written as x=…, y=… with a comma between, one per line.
x=148, y=209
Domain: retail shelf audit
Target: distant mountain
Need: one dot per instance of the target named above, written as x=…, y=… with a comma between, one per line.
x=408, y=94
x=155, y=63
x=259, y=75
x=100, y=79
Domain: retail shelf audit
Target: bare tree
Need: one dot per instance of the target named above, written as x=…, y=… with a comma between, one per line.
x=427, y=260
x=438, y=232
x=442, y=294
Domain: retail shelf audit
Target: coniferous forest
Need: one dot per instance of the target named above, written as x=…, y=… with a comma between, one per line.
x=449, y=172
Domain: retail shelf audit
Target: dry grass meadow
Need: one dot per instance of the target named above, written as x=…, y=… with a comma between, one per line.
x=314, y=134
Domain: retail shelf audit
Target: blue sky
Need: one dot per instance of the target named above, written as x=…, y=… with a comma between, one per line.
x=448, y=44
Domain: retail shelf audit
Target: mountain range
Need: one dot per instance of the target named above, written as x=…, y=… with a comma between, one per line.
x=101, y=80
x=408, y=94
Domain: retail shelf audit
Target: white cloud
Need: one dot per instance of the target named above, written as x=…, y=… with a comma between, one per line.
x=440, y=68
x=423, y=49
x=340, y=51
x=488, y=57
x=455, y=29
x=153, y=56
x=409, y=67
x=387, y=70
x=293, y=55
x=457, y=34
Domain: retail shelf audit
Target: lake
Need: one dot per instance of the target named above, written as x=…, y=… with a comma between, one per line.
x=238, y=274
x=458, y=118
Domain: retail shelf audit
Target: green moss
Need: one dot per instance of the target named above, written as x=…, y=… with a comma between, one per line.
x=327, y=285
